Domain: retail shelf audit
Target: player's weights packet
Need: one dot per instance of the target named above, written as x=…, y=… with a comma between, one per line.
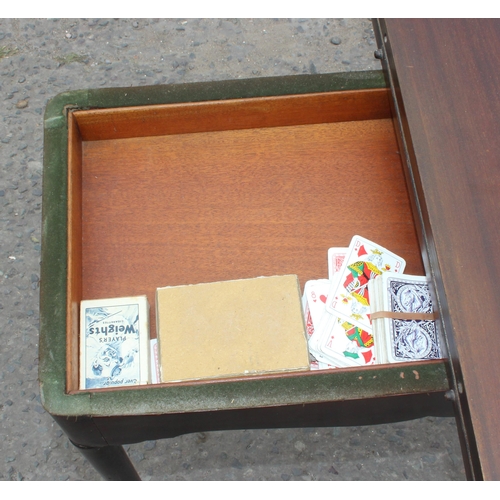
x=114, y=342
x=231, y=328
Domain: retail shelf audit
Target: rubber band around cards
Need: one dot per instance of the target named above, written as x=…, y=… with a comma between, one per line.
x=403, y=315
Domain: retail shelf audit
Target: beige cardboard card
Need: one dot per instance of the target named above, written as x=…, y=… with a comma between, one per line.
x=231, y=328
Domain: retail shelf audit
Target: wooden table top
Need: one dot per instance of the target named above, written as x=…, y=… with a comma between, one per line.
x=446, y=78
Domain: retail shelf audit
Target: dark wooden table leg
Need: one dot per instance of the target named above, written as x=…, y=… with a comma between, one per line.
x=112, y=462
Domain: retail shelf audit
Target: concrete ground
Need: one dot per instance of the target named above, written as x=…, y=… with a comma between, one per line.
x=40, y=58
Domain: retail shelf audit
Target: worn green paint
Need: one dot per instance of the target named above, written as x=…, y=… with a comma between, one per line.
x=329, y=386
x=320, y=387
x=234, y=89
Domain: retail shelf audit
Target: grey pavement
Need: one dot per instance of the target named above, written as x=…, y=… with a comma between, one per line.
x=40, y=58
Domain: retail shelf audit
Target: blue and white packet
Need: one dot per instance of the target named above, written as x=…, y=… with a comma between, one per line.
x=114, y=342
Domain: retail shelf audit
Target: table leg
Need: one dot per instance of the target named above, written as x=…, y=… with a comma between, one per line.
x=112, y=462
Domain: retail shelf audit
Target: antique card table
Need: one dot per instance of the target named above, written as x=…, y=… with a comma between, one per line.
x=167, y=185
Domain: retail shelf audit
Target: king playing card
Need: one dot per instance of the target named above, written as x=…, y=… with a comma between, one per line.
x=349, y=297
x=348, y=345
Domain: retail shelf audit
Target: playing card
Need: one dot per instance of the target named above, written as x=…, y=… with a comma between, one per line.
x=313, y=303
x=155, y=364
x=315, y=365
x=349, y=345
x=316, y=292
x=410, y=330
x=375, y=293
x=336, y=257
x=380, y=337
x=316, y=339
x=308, y=320
x=349, y=297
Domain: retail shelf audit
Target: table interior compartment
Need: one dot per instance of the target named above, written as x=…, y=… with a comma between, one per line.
x=201, y=192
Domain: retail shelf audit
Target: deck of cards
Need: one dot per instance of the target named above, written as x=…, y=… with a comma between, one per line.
x=403, y=319
x=114, y=342
x=366, y=279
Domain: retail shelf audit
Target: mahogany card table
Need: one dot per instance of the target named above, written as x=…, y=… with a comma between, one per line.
x=176, y=184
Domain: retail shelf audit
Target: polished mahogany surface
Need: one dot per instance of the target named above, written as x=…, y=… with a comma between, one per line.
x=446, y=80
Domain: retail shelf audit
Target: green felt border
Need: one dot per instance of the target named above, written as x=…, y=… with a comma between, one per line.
x=330, y=386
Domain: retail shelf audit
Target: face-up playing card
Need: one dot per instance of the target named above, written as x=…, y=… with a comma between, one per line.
x=349, y=345
x=313, y=303
x=316, y=340
x=316, y=293
x=336, y=257
x=308, y=320
x=349, y=297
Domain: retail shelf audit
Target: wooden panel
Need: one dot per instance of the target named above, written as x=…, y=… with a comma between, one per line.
x=212, y=206
x=447, y=80
x=233, y=114
x=74, y=289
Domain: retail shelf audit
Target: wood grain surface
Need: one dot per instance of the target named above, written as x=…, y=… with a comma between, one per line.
x=193, y=208
x=233, y=114
x=447, y=83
